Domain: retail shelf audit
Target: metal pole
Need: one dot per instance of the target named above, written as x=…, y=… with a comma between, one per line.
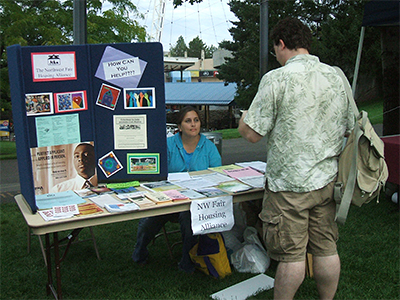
x=263, y=37
x=357, y=67
x=79, y=22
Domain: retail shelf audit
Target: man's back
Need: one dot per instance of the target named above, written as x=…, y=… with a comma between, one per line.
x=303, y=110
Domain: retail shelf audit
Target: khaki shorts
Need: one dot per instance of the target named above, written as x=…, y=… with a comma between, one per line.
x=296, y=223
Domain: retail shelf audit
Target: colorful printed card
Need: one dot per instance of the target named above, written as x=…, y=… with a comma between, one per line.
x=110, y=164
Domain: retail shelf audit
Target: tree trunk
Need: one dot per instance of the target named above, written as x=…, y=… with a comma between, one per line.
x=390, y=69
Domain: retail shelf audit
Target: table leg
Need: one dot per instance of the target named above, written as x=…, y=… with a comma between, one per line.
x=49, y=286
x=57, y=264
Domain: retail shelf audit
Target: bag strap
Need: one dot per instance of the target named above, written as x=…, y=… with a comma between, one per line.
x=342, y=209
x=349, y=93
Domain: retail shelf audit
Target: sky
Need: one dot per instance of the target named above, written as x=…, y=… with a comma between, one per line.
x=210, y=20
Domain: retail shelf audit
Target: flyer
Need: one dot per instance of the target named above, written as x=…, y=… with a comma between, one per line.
x=130, y=132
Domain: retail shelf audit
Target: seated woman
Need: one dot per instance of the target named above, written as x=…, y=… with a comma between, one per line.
x=188, y=150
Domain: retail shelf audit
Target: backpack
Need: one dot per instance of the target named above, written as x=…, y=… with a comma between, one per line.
x=209, y=255
x=362, y=167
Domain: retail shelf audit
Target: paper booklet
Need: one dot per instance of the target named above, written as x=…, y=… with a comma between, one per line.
x=243, y=172
x=234, y=186
x=122, y=207
x=142, y=202
x=227, y=167
x=256, y=165
x=158, y=197
x=159, y=186
x=191, y=194
x=211, y=192
x=102, y=200
x=254, y=181
x=175, y=195
x=214, y=177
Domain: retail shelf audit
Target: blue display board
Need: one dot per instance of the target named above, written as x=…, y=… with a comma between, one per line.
x=66, y=98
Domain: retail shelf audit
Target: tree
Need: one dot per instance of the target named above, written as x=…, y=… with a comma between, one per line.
x=335, y=25
x=49, y=22
x=194, y=50
x=180, y=48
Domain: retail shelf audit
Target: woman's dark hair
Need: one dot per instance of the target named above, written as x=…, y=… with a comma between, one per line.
x=184, y=111
x=293, y=33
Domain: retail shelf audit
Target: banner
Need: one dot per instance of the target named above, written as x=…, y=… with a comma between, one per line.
x=4, y=128
x=212, y=215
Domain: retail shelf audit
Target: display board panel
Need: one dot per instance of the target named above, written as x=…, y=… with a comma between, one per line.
x=87, y=114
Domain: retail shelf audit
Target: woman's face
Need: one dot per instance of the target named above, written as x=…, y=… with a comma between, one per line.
x=190, y=125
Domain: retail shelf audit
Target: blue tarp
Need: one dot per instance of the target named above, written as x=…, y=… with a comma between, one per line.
x=199, y=93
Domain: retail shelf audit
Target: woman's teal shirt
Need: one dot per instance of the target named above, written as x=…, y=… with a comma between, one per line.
x=205, y=155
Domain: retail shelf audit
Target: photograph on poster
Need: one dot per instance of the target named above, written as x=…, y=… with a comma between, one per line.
x=63, y=167
x=39, y=104
x=139, y=98
x=108, y=96
x=52, y=66
x=130, y=132
x=143, y=163
x=70, y=101
x=120, y=68
x=110, y=164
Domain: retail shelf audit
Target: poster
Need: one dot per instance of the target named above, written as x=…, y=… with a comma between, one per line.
x=63, y=167
x=130, y=132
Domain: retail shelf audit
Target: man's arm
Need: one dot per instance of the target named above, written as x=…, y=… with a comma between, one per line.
x=247, y=132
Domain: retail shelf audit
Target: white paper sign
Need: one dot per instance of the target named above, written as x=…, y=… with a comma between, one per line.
x=212, y=215
x=53, y=66
x=121, y=68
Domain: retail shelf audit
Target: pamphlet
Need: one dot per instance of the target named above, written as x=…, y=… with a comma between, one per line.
x=158, y=197
x=191, y=194
x=234, y=186
x=122, y=207
x=256, y=165
x=175, y=195
x=243, y=172
x=47, y=201
x=104, y=199
x=159, y=186
x=212, y=192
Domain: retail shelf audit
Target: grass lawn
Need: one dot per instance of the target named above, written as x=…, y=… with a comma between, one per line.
x=368, y=247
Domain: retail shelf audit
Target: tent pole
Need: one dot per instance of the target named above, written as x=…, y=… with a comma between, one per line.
x=357, y=67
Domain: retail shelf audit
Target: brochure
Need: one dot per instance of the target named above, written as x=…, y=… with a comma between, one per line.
x=122, y=207
x=234, y=186
x=175, y=195
x=212, y=192
x=102, y=200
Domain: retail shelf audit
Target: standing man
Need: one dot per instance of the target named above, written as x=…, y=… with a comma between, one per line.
x=303, y=110
x=84, y=161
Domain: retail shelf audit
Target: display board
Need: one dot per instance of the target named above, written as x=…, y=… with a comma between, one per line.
x=71, y=101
